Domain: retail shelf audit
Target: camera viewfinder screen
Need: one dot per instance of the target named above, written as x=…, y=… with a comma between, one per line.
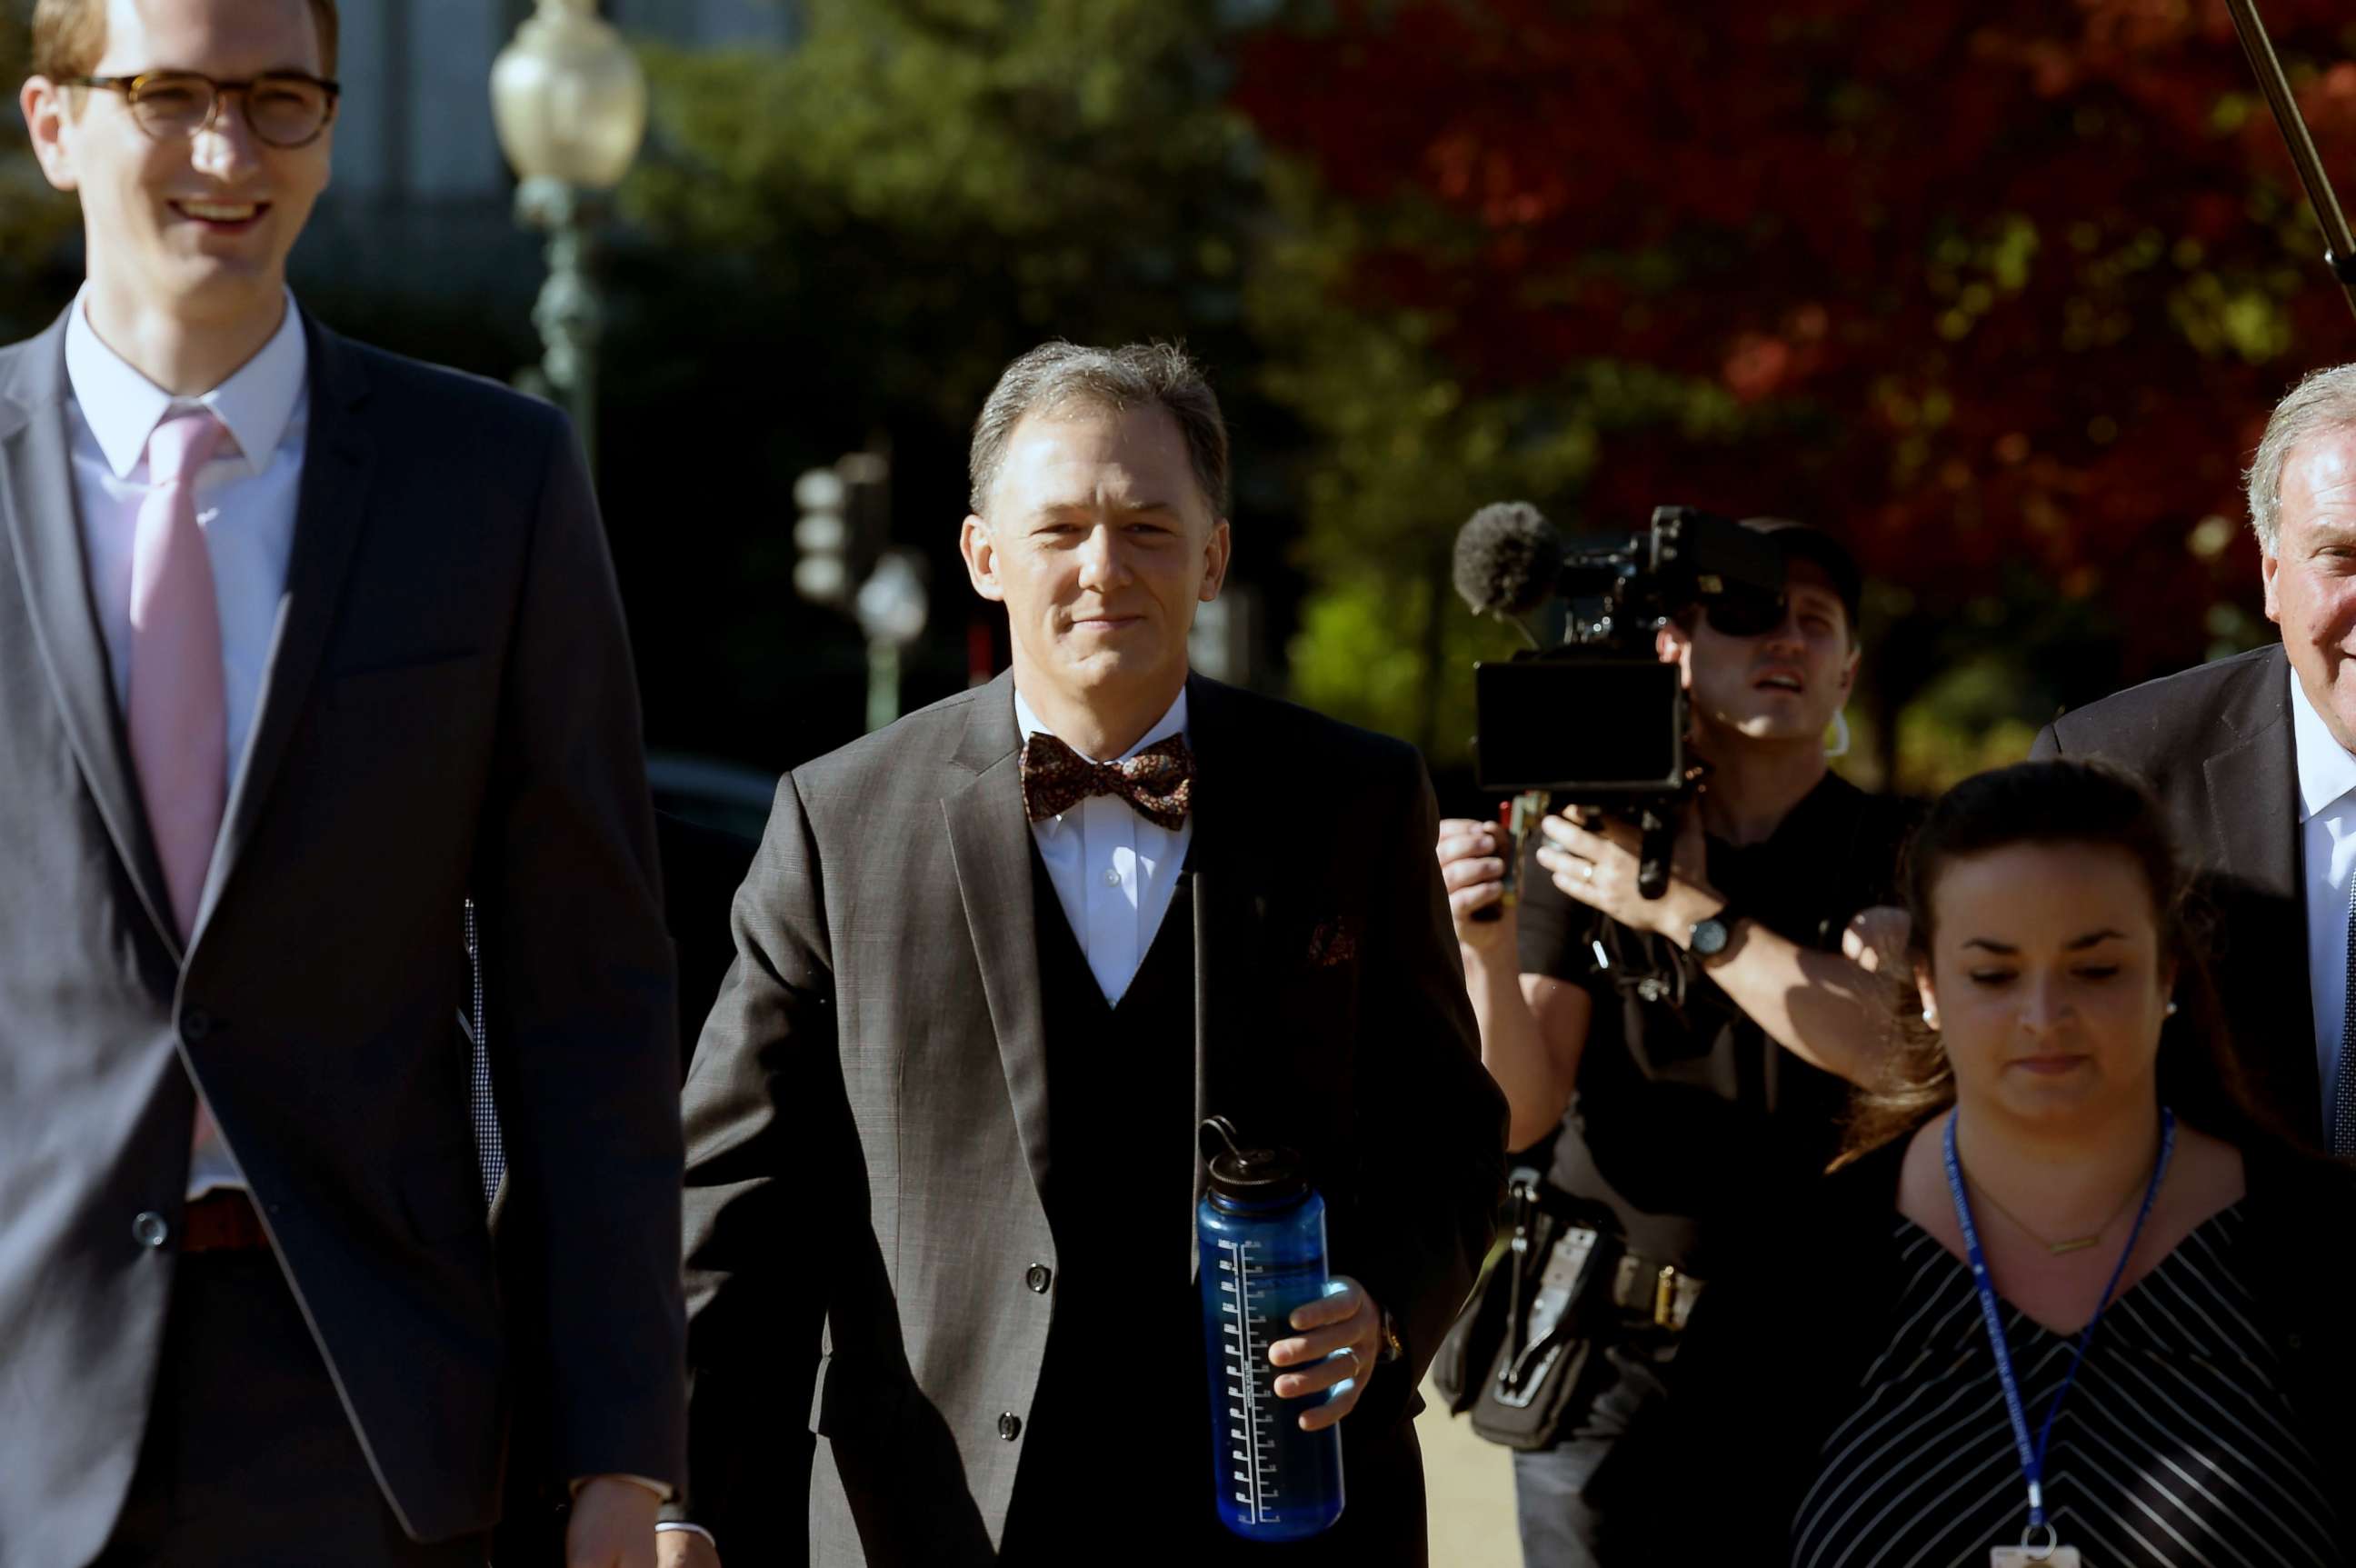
x=1596, y=726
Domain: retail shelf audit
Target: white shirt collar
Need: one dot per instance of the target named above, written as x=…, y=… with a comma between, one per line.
x=122, y=407
x=1172, y=723
x=2326, y=769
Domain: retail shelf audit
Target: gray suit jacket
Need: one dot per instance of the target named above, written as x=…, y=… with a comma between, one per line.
x=867, y=1112
x=449, y=708
x=2216, y=744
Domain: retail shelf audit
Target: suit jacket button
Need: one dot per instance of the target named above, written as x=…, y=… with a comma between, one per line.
x=149, y=1229
x=1009, y=1426
x=196, y=1024
x=1038, y=1277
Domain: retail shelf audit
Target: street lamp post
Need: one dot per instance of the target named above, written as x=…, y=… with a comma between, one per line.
x=570, y=102
x=890, y=607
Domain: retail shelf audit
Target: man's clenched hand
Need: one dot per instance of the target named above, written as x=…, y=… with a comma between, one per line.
x=1344, y=1339
x=612, y=1525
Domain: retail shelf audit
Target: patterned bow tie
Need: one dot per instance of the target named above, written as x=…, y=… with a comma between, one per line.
x=1159, y=781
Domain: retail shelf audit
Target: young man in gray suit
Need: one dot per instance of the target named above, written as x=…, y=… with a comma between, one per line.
x=994, y=965
x=301, y=645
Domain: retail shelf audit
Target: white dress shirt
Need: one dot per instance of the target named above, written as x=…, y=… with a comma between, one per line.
x=1113, y=870
x=2327, y=816
x=245, y=504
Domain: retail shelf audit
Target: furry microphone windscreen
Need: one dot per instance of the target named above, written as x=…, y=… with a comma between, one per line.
x=1508, y=558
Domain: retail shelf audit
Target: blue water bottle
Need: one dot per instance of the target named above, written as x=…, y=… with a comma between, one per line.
x=1262, y=1229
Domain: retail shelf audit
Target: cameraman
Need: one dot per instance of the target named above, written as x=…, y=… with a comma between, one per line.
x=1673, y=1064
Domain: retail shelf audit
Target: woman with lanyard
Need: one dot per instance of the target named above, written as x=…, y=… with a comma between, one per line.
x=2066, y=1301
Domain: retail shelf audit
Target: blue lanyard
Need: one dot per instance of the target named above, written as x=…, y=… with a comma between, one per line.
x=2032, y=1456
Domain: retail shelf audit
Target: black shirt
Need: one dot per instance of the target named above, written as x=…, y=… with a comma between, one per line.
x=1685, y=1110
x=2178, y=1440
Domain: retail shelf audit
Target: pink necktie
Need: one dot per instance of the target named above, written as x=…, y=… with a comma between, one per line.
x=179, y=714
x=178, y=719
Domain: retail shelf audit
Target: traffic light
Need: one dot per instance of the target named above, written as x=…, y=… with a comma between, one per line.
x=845, y=525
x=842, y=559
x=822, y=538
x=867, y=509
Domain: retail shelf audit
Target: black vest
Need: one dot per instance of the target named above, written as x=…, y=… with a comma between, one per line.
x=1120, y=1088
x=1127, y=1335
x=1119, y=1447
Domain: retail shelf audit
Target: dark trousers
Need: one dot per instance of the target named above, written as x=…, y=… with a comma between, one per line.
x=250, y=1461
x=1597, y=1497
x=1136, y=1503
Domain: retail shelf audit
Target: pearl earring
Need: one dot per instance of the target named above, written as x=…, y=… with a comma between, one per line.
x=2171, y=1009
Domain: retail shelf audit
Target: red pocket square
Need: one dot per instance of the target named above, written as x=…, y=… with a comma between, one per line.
x=1331, y=944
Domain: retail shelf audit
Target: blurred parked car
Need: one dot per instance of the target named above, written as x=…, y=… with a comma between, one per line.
x=726, y=795
x=708, y=821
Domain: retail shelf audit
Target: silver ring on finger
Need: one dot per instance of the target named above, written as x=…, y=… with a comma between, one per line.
x=1357, y=1364
x=1587, y=871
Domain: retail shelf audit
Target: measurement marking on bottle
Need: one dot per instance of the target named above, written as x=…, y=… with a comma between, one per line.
x=1242, y=1293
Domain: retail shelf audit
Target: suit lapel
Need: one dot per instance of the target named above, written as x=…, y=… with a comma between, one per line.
x=2253, y=812
x=331, y=509
x=37, y=500
x=1233, y=856
x=989, y=849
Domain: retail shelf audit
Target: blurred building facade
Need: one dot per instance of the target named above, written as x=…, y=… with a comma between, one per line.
x=416, y=155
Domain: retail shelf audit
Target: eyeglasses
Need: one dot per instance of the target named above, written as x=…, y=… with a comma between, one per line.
x=284, y=109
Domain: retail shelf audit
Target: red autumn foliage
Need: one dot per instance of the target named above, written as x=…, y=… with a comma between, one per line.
x=1806, y=203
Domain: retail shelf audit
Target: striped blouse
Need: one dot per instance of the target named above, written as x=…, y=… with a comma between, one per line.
x=2175, y=1447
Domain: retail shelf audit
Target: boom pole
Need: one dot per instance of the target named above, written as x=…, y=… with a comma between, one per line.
x=2339, y=246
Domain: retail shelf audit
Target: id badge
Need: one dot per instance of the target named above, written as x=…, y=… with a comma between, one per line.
x=2025, y=1557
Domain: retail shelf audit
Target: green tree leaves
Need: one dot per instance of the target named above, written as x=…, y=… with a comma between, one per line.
x=34, y=219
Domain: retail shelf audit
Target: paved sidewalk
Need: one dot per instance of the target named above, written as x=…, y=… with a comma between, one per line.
x=1470, y=1486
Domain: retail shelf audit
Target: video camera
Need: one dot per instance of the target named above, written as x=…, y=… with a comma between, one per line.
x=1590, y=713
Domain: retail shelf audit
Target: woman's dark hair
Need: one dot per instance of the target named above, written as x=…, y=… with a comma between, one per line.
x=2061, y=802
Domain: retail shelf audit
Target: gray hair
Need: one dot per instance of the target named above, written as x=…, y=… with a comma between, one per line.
x=2325, y=399
x=1061, y=375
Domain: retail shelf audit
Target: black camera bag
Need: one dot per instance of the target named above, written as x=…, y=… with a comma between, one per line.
x=1518, y=1354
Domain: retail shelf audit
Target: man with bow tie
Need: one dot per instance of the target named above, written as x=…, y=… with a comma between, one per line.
x=994, y=966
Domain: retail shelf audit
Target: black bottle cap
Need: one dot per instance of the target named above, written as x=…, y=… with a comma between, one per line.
x=1258, y=1178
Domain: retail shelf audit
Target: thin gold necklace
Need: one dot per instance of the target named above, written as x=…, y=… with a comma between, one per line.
x=2075, y=1243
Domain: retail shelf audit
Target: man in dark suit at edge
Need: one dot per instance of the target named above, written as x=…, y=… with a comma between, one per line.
x=994, y=964
x=2256, y=756
x=301, y=646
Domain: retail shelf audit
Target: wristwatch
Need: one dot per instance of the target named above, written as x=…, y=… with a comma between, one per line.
x=1394, y=1348
x=1708, y=936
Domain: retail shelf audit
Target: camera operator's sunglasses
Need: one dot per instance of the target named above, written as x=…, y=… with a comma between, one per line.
x=1743, y=614
x=282, y=109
